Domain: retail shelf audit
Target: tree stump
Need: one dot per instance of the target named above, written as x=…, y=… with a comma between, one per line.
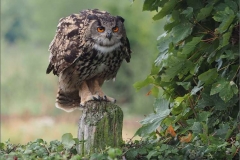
x=100, y=126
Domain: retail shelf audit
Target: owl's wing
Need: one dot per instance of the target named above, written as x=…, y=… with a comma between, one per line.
x=65, y=48
x=126, y=49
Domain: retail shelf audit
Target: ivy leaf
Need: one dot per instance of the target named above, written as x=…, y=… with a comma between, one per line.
x=197, y=127
x=163, y=42
x=153, y=121
x=188, y=12
x=176, y=66
x=67, y=140
x=151, y=154
x=229, y=54
x=233, y=5
x=226, y=17
x=206, y=100
x=203, y=116
x=141, y=84
x=228, y=91
x=181, y=31
x=208, y=76
x=218, y=86
x=222, y=131
x=224, y=40
x=204, y=12
x=195, y=90
x=188, y=47
x=150, y=5
x=185, y=85
x=166, y=9
x=160, y=104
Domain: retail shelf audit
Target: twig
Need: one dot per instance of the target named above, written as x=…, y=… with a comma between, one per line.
x=191, y=106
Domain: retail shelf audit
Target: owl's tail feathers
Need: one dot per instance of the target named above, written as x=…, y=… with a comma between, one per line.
x=67, y=101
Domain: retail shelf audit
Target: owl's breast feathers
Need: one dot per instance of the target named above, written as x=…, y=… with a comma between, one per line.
x=70, y=44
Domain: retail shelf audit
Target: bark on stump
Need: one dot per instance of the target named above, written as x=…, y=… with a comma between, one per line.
x=100, y=126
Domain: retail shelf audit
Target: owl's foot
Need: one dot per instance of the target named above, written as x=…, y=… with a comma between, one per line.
x=89, y=98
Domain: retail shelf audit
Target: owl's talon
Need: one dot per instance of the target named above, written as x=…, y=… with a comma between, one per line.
x=105, y=97
x=95, y=98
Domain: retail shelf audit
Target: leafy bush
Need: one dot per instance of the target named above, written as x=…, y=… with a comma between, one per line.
x=55, y=150
x=194, y=80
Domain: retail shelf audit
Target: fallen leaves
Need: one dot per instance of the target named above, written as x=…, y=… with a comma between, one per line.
x=183, y=139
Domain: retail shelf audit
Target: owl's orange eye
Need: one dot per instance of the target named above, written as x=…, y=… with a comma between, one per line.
x=115, y=29
x=100, y=29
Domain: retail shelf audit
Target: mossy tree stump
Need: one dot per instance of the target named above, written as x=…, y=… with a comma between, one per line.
x=100, y=126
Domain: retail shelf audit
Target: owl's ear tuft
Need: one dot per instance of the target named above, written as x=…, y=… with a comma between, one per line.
x=92, y=17
x=119, y=18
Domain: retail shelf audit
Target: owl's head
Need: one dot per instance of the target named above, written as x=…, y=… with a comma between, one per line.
x=105, y=31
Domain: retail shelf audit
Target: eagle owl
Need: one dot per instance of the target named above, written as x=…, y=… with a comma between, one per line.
x=88, y=49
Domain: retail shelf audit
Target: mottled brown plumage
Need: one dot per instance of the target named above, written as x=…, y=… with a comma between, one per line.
x=88, y=49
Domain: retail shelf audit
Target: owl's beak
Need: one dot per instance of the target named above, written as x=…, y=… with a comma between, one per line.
x=109, y=35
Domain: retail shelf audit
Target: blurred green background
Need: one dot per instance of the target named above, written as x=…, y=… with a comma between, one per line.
x=28, y=94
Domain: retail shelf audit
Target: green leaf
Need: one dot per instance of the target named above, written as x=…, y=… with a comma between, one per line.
x=204, y=12
x=226, y=17
x=188, y=47
x=188, y=12
x=206, y=100
x=114, y=152
x=218, y=86
x=224, y=40
x=222, y=131
x=166, y=9
x=146, y=129
x=203, y=116
x=67, y=140
x=181, y=31
x=141, y=84
x=229, y=54
x=160, y=104
x=233, y=5
x=2, y=146
x=150, y=5
x=185, y=85
x=197, y=127
x=151, y=153
x=153, y=121
x=156, y=118
x=208, y=76
x=163, y=42
x=228, y=91
x=176, y=66
x=195, y=90
x=196, y=5
x=178, y=100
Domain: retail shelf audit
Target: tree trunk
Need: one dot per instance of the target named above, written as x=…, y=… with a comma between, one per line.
x=100, y=126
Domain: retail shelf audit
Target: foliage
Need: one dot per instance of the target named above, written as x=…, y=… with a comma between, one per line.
x=55, y=150
x=195, y=80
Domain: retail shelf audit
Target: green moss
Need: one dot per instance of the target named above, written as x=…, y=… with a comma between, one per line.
x=104, y=122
